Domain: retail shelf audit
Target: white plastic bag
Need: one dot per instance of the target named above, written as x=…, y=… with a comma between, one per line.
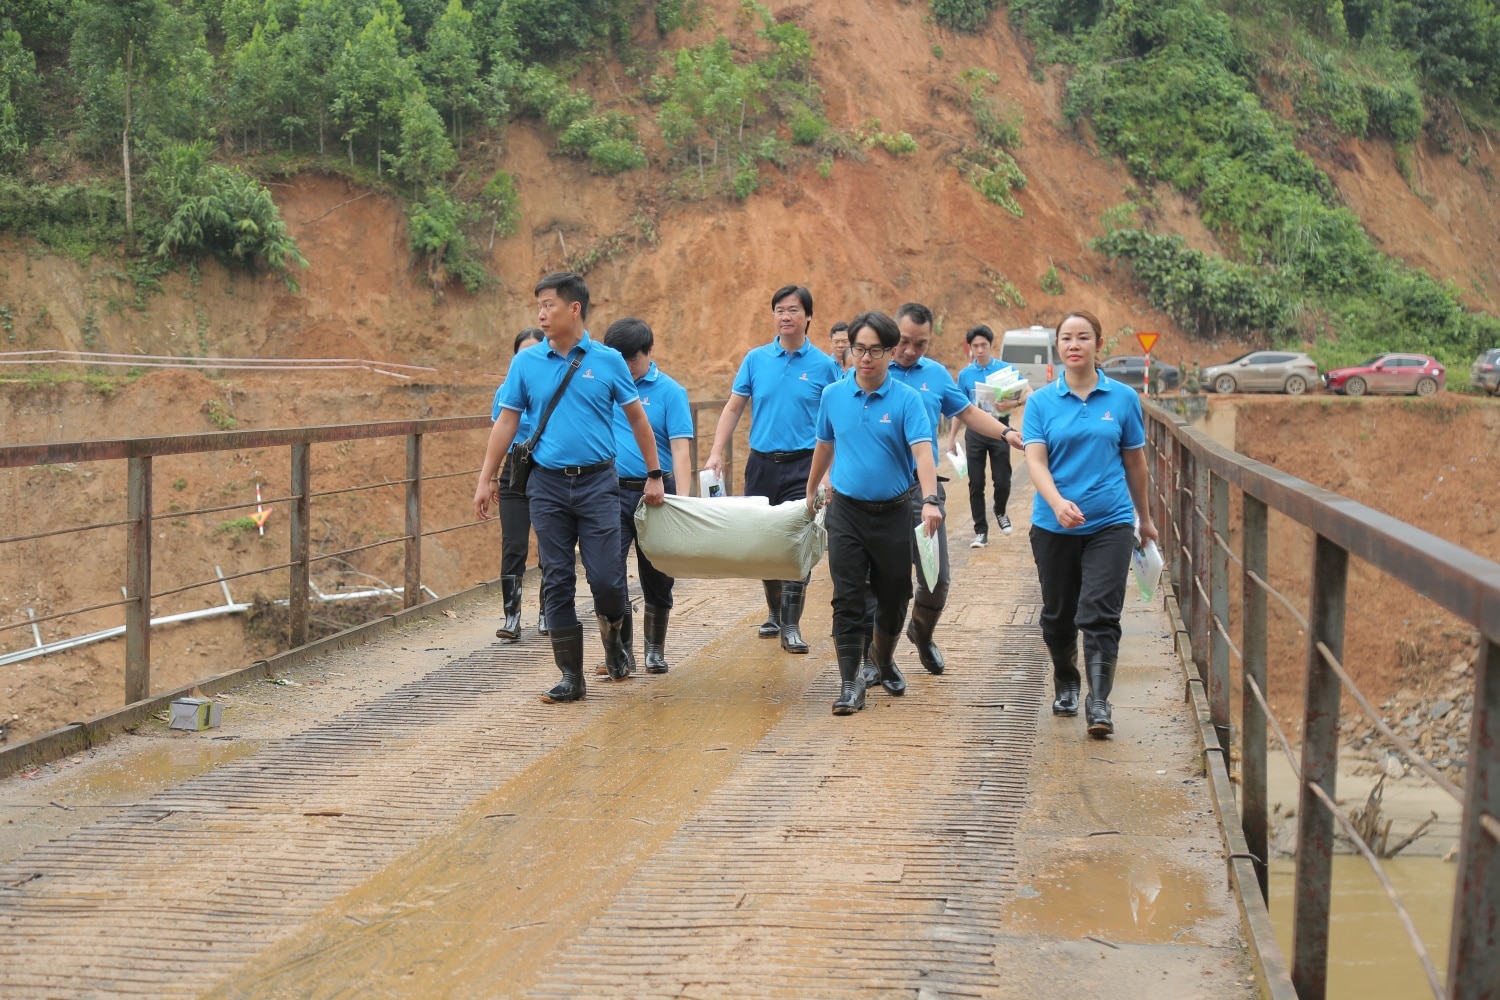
x=710, y=484
x=927, y=555
x=1146, y=563
x=730, y=538
x=960, y=462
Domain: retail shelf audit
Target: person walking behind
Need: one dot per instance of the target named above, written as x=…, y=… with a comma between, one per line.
x=941, y=397
x=671, y=418
x=568, y=389
x=515, y=517
x=874, y=432
x=838, y=340
x=980, y=448
x=1085, y=438
x=783, y=382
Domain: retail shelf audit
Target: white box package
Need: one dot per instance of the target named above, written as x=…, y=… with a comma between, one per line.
x=691, y=538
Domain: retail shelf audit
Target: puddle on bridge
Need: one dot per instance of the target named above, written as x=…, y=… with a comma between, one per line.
x=1119, y=893
x=145, y=769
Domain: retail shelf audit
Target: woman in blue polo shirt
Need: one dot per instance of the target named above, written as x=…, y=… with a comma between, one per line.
x=515, y=517
x=1084, y=437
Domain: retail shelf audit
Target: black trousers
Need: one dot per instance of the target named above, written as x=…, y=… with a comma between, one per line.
x=656, y=586
x=578, y=514
x=777, y=481
x=515, y=526
x=936, y=597
x=981, y=449
x=1083, y=581
x=869, y=555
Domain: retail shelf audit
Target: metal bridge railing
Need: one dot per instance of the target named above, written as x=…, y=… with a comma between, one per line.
x=142, y=519
x=1192, y=481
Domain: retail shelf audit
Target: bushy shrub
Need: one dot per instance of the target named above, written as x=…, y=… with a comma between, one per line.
x=807, y=127
x=962, y=15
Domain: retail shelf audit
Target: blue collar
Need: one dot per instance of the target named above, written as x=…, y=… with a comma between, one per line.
x=1103, y=385
x=777, y=347
x=874, y=393
x=650, y=376
x=922, y=362
x=585, y=345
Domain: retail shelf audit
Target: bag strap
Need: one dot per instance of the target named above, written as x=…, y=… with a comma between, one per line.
x=573, y=366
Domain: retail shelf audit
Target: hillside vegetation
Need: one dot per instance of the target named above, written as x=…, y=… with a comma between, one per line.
x=150, y=128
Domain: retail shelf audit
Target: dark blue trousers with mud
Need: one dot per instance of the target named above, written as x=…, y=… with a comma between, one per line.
x=581, y=512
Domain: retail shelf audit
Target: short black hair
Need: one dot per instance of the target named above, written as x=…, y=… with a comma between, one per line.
x=569, y=288
x=629, y=336
x=916, y=312
x=837, y=327
x=530, y=333
x=885, y=328
x=803, y=296
x=979, y=331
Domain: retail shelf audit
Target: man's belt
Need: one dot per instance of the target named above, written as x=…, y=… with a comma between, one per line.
x=581, y=470
x=782, y=457
x=879, y=506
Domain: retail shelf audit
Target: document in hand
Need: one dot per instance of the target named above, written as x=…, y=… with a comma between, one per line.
x=730, y=537
x=927, y=555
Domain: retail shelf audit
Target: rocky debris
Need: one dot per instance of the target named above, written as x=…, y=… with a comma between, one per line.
x=1432, y=715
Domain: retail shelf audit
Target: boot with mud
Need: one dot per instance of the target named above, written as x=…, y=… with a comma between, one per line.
x=793, y=594
x=1101, y=671
x=541, y=622
x=883, y=655
x=627, y=643
x=656, y=639
x=923, y=621
x=510, y=590
x=771, y=627
x=618, y=662
x=1065, y=678
x=567, y=651
x=852, y=686
x=868, y=674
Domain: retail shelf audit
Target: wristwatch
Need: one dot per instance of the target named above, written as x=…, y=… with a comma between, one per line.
x=655, y=474
x=930, y=500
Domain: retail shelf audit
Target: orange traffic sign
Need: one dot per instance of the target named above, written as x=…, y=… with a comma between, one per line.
x=1148, y=341
x=260, y=517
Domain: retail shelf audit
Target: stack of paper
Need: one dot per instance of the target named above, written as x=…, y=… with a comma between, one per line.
x=1006, y=382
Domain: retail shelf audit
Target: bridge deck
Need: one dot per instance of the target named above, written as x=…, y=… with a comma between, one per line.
x=408, y=820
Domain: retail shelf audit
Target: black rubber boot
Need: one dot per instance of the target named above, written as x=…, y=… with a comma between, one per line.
x=656, y=639
x=617, y=660
x=1065, y=678
x=852, y=690
x=883, y=655
x=627, y=643
x=1096, y=706
x=923, y=621
x=541, y=622
x=867, y=672
x=567, y=651
x=510, y=588
x=771, y=627
x=793, y=593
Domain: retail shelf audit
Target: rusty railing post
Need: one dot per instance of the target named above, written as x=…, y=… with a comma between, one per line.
x=1182, y=522
x=138, y=581
x=1202, y=626
x=1320, y=755
x=1474, y=957
x=1218, y=590
x=413, y=592
x=1254, y=818
x=301, y=523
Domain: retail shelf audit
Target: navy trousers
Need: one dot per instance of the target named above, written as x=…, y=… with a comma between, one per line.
x=656, y=586
x=582, y=513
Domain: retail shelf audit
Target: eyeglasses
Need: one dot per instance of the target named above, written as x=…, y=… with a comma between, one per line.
x=792, y=313
x=860, y=350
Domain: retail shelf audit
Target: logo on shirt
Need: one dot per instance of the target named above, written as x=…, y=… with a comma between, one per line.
x=803, y=376
x=924, y=386
x=1107, y=417
x=885, y=418
x=588, y=373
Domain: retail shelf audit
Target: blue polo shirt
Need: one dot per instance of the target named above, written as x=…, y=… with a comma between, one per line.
x=784, y=388
x=872, y=434
x=666, y=406
x=971, y=373
x=581, y=431
x=940, y=395
x=1084, y=439
x=523, y=430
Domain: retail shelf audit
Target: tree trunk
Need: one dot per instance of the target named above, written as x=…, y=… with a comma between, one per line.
x=125, y=138
x=320, y=132
x=351, y=152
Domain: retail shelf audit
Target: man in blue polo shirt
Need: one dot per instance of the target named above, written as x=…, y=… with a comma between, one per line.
x=515, y=517
x=941, y=395
x=783, y=382
x=671, y=417
x=573, y=490
x=875, y=433
x=979, y=448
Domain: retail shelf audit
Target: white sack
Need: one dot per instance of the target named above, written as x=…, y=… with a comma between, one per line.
x=691, y=538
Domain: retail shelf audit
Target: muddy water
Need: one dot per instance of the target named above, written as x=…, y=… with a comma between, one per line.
x=1370, y=954
x=144, y=772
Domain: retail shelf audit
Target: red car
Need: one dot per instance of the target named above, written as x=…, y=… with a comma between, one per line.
x=1394, y=374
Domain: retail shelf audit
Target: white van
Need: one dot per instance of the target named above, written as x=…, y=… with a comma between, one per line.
x=1034, y=352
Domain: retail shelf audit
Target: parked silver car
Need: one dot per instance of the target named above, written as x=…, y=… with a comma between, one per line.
x=1263, y=371
x=1485, y=374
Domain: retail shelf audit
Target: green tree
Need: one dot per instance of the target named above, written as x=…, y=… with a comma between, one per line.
x=372, y=79
x=18, y=86
x=425, y=153
x=450, y=66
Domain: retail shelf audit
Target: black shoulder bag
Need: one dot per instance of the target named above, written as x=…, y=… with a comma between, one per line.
x=523, y=456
